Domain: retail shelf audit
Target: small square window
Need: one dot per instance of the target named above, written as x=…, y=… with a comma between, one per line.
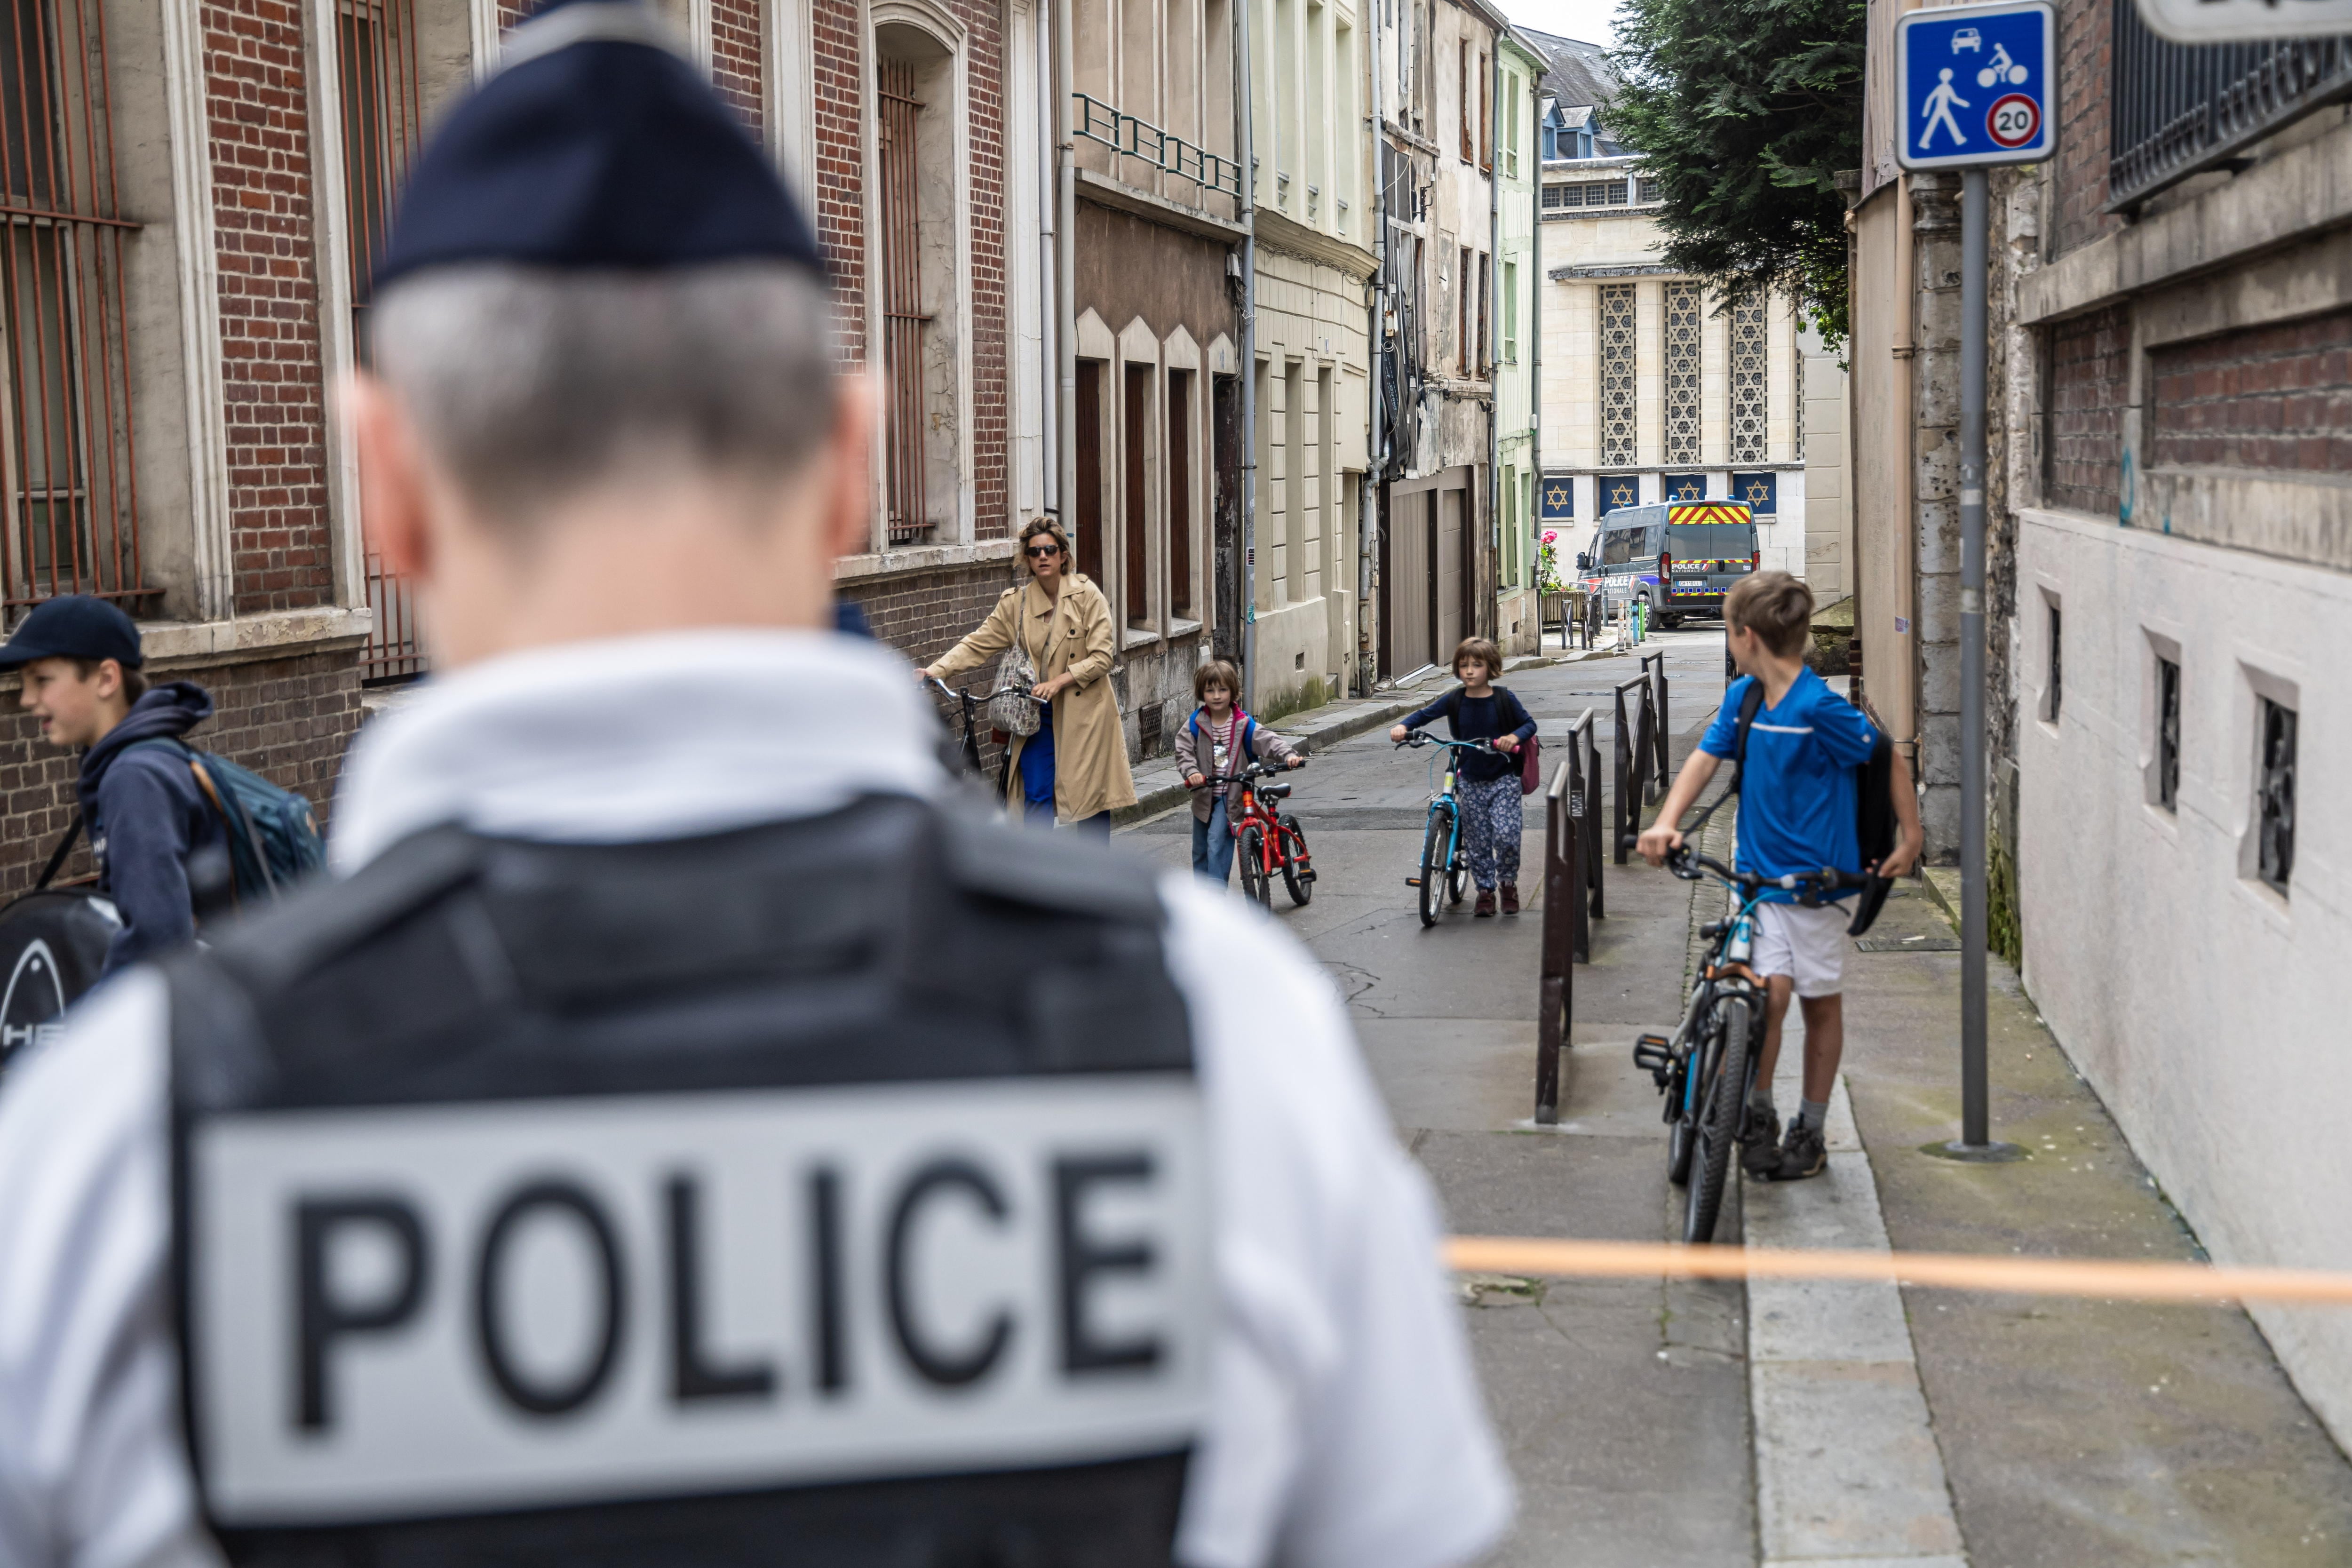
x=2055, y=691
x=2168, y=733
x=2275, y=801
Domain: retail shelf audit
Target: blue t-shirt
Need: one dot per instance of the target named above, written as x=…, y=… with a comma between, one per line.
x=1796, y=791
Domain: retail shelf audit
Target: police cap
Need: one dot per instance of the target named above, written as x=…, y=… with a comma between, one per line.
x=595, y=146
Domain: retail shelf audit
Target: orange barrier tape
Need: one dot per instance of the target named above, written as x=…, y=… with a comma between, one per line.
x=1941, y=1270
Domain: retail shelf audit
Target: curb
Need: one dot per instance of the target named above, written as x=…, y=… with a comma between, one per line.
x=1943, y=887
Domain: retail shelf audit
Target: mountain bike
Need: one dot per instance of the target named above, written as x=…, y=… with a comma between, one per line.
x=1444, y=861
x=1707, y=1070
x=1269, y=841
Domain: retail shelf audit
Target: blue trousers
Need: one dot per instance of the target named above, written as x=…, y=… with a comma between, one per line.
x=1037, y=775
x=1493, y=818
x=1213, y=843
x=1038, y=785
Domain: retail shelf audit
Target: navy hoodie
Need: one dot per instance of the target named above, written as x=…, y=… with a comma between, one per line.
x=149, y=823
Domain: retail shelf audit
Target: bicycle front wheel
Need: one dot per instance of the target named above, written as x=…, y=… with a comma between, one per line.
x=1436, y=845
x=1251, y=853
x=1719, y=1123
x=1295, y=875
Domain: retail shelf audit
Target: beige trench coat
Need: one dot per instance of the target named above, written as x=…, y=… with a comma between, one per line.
x=1070, y=636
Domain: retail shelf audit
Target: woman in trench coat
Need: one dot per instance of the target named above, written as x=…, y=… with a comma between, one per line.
x=1074, y=769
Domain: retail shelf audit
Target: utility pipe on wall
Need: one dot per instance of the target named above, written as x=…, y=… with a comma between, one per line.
x=1065, y=334
x=1368, y=519
x=1049, y=233
x=1245, y=126
x=1488, y=602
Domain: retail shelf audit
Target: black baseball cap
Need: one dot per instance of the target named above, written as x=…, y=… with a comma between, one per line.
x=74, y=626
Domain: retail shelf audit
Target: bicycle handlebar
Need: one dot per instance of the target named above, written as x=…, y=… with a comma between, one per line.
x=1691, y=865
x=1424, y=738
x=1256, y=770
x=960, y=694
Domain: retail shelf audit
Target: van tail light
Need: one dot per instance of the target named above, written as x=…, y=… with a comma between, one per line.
x=1665, y=564
x=1756, y=561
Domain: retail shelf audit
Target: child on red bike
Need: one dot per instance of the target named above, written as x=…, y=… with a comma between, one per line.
x=1218, y=742
x=1494, y=818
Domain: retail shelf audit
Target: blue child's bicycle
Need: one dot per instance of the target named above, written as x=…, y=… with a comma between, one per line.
x=1707, y=1068
x=1444, y=864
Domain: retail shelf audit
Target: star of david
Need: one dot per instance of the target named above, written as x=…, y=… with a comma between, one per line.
x=1757, y=489
x=1556, y=496
x=1621, y=495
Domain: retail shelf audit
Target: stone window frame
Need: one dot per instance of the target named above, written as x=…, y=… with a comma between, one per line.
x=952, y=306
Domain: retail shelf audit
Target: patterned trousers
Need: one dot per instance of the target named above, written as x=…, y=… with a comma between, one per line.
x=1493, y=817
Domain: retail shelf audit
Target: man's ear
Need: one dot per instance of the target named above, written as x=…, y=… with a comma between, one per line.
x=391, y=476
x=848, y=459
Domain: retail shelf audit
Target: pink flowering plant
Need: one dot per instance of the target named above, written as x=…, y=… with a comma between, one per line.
x=1548, y=563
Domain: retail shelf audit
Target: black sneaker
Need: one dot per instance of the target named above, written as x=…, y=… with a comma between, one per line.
x=1760, y=1152
x=1802, y=1154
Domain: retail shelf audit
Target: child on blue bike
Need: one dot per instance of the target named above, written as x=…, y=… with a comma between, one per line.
x=1797, y=783
x=1493, y=819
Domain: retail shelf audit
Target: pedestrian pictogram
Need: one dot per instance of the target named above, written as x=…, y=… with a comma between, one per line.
x=1974, y=81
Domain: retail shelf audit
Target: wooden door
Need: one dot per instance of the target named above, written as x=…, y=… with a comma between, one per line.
x=1450, y=584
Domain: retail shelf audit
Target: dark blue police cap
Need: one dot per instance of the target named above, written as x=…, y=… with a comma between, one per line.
x=595, y=146
x=74, y=626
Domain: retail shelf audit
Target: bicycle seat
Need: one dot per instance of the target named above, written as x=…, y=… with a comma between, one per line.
x=1274, y=792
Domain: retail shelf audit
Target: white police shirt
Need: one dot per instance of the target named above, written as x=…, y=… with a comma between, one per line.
x=1345, y=1426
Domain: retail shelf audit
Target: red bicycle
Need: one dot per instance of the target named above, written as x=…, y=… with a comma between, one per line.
x=1269, y=841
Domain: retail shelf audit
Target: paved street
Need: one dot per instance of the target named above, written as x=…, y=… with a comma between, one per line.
x=1652, y=1422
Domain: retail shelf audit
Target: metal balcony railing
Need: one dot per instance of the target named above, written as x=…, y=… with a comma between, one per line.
x=1133, y=138
x=2175, y=110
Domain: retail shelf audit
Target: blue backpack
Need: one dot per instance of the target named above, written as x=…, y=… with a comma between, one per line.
x=273, y=840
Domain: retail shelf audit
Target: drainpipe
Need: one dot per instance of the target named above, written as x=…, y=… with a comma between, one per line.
x=1245, y=125
x=1493, y=324
x=1049, y=257
x=1535, y=335
x=1065, y=332
x=1368, y=520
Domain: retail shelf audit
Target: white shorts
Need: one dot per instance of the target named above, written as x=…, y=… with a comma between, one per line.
x=1807, y=945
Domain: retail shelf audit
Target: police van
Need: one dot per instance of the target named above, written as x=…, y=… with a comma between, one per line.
x=1680, y=558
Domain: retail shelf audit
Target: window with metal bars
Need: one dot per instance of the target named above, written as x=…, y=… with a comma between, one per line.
x=1617, y=379
x=1750, y=363
x=1682, y=324
x=2275, y=850
x=903, y=317
x=377, y=79
x=64, y=359
x=2168, y=733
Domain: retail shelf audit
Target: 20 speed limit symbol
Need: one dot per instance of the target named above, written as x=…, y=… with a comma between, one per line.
x=2014, y=119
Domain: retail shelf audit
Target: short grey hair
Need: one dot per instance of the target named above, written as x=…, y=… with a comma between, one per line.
x=530, y=385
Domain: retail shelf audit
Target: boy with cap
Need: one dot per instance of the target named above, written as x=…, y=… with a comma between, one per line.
x=161, y=857
x=677, y=1135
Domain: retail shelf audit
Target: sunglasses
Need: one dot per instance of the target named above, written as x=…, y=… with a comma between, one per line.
x=1042, y=550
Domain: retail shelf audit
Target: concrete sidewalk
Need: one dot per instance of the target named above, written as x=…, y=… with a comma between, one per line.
x=2072, y=1432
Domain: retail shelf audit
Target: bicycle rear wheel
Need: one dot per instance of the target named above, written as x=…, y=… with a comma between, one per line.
x=1296, y=875
x=1435, y=845
x=1251, y=852
x=1719, y=1123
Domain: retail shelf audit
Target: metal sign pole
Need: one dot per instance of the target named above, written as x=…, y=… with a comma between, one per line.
x=1975, y=1111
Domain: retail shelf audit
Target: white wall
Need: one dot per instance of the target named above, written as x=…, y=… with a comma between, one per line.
x=2208, y=1012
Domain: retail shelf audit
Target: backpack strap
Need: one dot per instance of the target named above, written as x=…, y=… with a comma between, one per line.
x=234, y=822
x=58, y=856
x=1751, y=705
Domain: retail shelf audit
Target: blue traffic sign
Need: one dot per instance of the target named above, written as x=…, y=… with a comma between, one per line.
x=1975, y=83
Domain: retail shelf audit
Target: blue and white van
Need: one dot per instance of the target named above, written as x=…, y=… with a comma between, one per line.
x=1678, y=557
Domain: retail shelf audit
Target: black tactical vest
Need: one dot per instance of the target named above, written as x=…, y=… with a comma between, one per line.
x=824, y=1193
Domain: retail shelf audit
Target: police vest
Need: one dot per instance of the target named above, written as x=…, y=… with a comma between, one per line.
x=824, y=1193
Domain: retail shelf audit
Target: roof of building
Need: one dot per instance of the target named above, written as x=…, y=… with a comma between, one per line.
x=1578, y=74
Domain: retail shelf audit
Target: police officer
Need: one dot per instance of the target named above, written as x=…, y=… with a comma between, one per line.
x=677, y=1136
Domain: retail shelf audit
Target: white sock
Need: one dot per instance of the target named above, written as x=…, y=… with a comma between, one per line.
x=1813, y=1113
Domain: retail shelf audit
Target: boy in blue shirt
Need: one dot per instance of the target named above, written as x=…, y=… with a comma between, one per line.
x=1796, y=814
